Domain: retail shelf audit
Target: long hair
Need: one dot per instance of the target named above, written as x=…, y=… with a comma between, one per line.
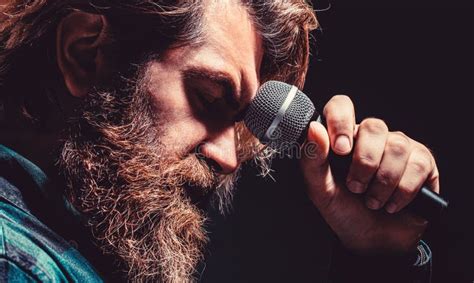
x=29, y=76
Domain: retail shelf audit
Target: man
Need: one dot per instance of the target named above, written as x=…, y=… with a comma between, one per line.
x=131, y=112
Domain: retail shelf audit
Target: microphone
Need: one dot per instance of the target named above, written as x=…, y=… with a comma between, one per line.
x=279, y=117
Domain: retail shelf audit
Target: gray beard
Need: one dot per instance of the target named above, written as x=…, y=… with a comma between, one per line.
x=133, y=192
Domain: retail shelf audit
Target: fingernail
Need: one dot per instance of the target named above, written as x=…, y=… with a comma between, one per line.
x=372, y=203
x=356, y=187
x=343, y=144
x=391, y=208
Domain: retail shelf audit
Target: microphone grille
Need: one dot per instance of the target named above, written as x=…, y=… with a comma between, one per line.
x=265, y=107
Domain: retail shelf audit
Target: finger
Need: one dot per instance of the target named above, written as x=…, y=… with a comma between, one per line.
x=340, y=119
x=315, y=166
x=316, y=147
x=433, y=179
x=371, y=138
x=420, y=166
x=391, y=169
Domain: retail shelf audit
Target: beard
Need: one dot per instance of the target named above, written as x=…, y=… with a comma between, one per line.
x=134, y=191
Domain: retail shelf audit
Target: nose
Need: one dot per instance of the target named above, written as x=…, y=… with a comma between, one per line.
x=220, y=149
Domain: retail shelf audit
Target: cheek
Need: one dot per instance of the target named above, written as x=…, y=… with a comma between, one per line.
x=167, y=91
x=182, y=137
x=182, y=131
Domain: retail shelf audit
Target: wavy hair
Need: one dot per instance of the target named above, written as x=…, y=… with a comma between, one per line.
x=27, y=41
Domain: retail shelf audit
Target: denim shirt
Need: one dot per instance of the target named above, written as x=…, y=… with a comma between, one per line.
x=29, y=250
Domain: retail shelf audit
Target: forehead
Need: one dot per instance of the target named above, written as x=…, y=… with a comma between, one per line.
x=230, y=44
x=229, y=30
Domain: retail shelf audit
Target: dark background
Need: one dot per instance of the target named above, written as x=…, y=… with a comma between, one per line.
x=407, y=62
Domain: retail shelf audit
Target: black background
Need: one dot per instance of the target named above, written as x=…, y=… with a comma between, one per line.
x=407, y=62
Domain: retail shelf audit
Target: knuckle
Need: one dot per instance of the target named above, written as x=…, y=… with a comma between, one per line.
x=366, y=162
x=328, y=107
x=385, y=178
x=374, y=126
x=401, y=134
x=335, y=103
x=342, y=98
x=398, y=145
x=425, y=151
x=420, y=165
x=336, y=120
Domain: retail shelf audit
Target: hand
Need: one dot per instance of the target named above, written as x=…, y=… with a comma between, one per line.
x=388, y=169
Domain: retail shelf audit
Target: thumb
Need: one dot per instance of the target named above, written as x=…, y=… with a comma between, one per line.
x=315, y=165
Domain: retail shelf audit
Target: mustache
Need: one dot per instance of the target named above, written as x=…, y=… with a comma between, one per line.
x=125, y=128
x=134, y=190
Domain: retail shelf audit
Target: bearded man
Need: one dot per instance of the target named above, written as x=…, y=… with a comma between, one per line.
x=128, y=115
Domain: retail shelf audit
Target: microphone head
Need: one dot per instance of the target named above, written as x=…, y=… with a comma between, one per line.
x=279, y=114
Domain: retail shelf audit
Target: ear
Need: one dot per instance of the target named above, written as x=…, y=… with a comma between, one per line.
x=80, y=39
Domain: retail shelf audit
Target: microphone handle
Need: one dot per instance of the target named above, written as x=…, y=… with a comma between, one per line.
x=426, y=204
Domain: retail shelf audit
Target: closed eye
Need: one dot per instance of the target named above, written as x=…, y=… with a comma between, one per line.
x=208, y=97
x=205, y=99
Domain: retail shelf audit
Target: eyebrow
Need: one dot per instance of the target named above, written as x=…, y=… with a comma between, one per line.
x=223, y=79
